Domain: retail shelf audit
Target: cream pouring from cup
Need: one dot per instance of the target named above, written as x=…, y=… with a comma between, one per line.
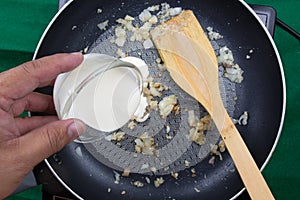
x=103, y=91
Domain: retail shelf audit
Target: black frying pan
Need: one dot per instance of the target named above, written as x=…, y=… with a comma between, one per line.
x=262, y=93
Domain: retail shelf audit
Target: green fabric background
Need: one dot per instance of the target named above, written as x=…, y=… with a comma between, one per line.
x=22, y=23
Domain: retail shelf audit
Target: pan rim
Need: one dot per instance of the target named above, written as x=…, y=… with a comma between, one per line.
x=282, y=79
x=284, y=92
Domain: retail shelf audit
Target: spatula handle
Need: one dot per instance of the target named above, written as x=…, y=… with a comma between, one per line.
x=245, y=164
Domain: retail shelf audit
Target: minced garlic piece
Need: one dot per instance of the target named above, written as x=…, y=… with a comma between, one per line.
x=217, y=149
x=187, y=163
x=131, y=125
x=169, y=137
x=147, y=179
x=196, y=133
x=126, y=172
x=153, y=105
x=193, y=171
x=145, y=144
x=243, y=120
x=174, y=175
x=117, y=177
x=212, y=34
x=138, y=184
x=166, y=105
x=234, y=74
x=103, y=25
x=197, y=136
x=158, y=182
x=225, y=57
x=153, y=169
x=168, y=129
x=222, y=146
x=118, y=136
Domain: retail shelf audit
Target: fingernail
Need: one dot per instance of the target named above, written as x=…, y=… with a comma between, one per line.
x=76, y=128
x=76, y=53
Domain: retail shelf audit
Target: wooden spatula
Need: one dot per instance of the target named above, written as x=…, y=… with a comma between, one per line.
x=191, y=61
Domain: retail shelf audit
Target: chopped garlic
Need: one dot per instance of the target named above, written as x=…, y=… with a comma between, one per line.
x=123, y=192
x=158, y=60
x=196, y=133
x=225, y=57
x=158, y=182
x=187, y=163
x=175, y=11
x=142, y=33
x=166, y=105
x=126, y=23
x=155, y=89
x=118, y=136
x=193, y=171
x=145, y=166
x=103, y=25
x=121, y=36
x=153, y=105
x=174, y=175
x=132, y=125
x=153, y=169
x=117, y=177
x=126, y=172
x=145, y=15
x=197, y=136
x=121, y=53
x=148, y=44
x=99, y=10
x=128, y=18
x=222, y=146
x=145, y=144
x=243, y=120
x=153, y=20
x=212, y=34
x=204, y=123
x=162, y=67
x=234, y=74
x=138, y=184
x=167, y=129
x=216, y=150
x=120, y=41
x=147, y=179
x=192, y=118
x=196, y=189
x=212, y=160
x=153, y=8
x=169, y=137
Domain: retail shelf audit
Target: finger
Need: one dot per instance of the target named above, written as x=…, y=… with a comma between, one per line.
x=21, y=80
x=42, y=142
x=28, y=124
x=35, y=102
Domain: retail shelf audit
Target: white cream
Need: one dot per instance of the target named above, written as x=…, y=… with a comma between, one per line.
x=108, y=100
x=140, y=112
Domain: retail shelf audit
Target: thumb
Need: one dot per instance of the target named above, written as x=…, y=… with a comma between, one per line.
x=48, y=139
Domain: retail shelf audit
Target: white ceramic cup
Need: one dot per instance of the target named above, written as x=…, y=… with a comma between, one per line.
x=103, y=91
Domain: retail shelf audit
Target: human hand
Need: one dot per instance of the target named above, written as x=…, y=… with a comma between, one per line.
x=24, y=142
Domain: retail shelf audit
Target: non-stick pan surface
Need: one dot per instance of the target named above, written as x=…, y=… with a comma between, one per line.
x=262, y=94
